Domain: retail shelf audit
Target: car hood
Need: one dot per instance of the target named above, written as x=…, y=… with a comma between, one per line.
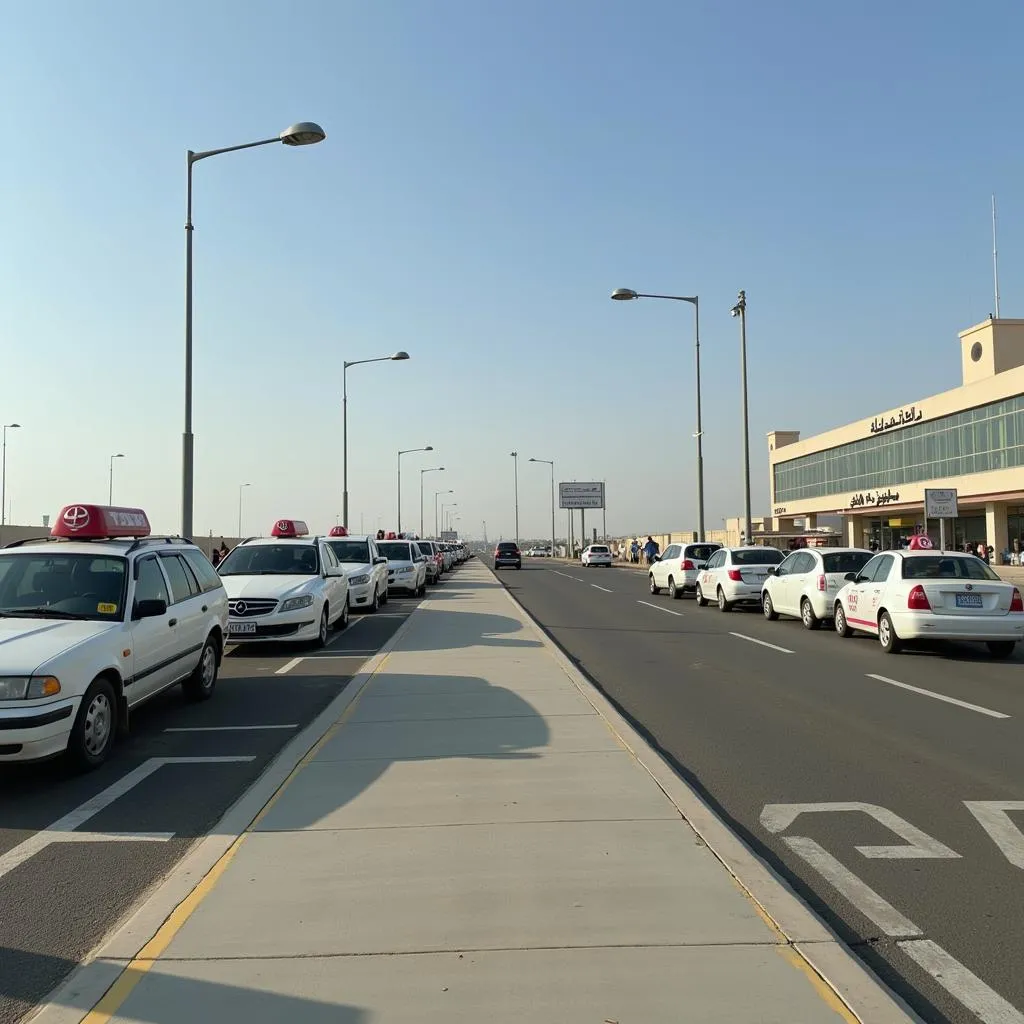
x=28, y=644
x=356, y=568
x=279, y=587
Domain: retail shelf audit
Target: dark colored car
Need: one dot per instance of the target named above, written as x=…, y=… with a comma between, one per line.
x=508, y=553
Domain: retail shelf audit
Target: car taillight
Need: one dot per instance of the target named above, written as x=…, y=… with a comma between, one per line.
x=917, y=600
x=822, y=583
x=1016, y=604
x=686, y=565
x=735, y=575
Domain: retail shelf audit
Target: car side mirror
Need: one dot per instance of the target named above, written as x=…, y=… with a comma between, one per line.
x=773, y=570
x=851, y=577
x=380, y=560
x=151, y=608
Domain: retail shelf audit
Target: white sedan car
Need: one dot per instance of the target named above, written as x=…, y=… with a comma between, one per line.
x=596, y=554
x=366, y=569
x=805, y=585
x=734, y=576
x=678, y=569
x=285, y=587
x=407, y=566
x=940, y=595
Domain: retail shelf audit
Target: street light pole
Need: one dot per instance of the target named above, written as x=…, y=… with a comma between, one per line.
x=515, y=459
x=306, y=133
x=627, y=293
x=550, y=462
x=110, y=490
x=3, y=472
x=396, y=358
x=740, y=310
x=435, y=469
x=241, y=487
x=437, y=519
x=405, y=451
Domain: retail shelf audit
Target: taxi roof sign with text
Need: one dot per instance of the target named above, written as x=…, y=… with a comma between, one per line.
x=338, y=531
x=100, y=522
x=289, y=528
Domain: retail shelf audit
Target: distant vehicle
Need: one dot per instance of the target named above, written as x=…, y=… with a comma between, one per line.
x=365, y=567
x=507, y=553
x=596, y=554
x=679, y=567
x=734, y=576
x=805, y=585
x=407, y=566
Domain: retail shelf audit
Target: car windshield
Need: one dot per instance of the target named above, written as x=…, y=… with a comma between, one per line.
x=599, y=549
x=757, y=556
x=845, y=561
x=507, y=547
x=56, y=586
x=395, y=551
x=357, y=551
x=271, y=560
x=947, y=567
x=700, y=552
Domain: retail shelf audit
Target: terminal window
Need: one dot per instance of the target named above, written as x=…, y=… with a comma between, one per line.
x=974, y=441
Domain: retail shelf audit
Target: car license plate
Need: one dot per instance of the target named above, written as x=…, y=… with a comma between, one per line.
x=968, y=601
x=241, y=627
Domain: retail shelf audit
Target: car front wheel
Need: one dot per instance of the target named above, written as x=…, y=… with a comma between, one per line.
x=92, y=735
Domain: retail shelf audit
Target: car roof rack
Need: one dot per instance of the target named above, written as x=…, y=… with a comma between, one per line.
x=143, y=541
x=46, y=539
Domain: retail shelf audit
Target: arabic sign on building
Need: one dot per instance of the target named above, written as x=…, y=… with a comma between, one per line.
x=577, y=495
x=874, y=499
x=940, y=503
x=900, y=418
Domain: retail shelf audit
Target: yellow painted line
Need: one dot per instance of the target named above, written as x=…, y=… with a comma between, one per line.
x=122, y=988
x=822, y=987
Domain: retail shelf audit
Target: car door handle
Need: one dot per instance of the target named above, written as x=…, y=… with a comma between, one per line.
x=172, y=622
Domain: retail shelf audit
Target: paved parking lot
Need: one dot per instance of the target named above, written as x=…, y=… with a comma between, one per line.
x=77, y=852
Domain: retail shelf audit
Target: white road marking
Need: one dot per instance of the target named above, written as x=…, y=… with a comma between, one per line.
x=659, y=608
x=963, y=985
x=938, y=696
x=992, y=817
x=847, y=884
x=228, y=728
x=920, y=846
x=285, y=669
x=605, y=589
x=565, y=574
x=763, y=643
x=63, y=829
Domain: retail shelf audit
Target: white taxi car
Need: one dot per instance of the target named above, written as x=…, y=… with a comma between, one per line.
x=679, y=568
x=930, y=594
x=734, y=576
x=288, y=586
x=805, y=585
x=94, y=620
x=365, y=567
x=407, y=566
x=596, y=554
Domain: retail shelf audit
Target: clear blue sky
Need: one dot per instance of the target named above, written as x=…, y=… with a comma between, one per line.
x=492, y=171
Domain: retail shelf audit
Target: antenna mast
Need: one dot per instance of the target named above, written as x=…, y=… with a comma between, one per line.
x=995, y=255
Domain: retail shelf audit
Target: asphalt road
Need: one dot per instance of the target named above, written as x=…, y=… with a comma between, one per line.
x=758, y=714
x=180, y=769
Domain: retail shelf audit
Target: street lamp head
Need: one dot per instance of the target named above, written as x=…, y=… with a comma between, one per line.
x=305, y=133
x=399, y=356
x=622, y=294
x=532, y=460
x=429, y=448
x=515, y=455
x=119, y=455
x=12, y=426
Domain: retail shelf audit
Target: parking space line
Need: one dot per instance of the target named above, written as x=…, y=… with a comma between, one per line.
x=605, y=589
x=286, y=668
x=228, y=728
x=938, y=696
x=658, y=608
x=763, y=643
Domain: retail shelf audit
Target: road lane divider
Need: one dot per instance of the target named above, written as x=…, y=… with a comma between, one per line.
x=605, y=589
x=938, y=696
x=288, y=666
x=659, y=608
x=762, y=643
x=227, y=728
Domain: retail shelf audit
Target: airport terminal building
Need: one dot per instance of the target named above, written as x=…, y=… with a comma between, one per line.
x=874, y=472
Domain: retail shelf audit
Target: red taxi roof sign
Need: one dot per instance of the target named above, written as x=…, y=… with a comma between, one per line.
x=391, y=535
x=338, y=531
x=289, y=528
x=920, y=542
x=100, y=522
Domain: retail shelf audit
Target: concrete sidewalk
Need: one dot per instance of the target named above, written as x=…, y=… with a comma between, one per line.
x=473, y=841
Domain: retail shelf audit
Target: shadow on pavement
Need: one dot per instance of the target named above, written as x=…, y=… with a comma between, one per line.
x=463, y=629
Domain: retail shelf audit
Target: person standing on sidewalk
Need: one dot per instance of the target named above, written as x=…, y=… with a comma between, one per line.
x=650, y=550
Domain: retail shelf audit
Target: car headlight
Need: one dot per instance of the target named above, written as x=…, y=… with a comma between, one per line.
x=361, y=578
x=294, y=603
x=28, y=687
x=407, y=568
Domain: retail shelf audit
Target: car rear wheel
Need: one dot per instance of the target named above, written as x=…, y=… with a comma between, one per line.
x=1001, y=648
x=92, y=735
x=768, y=608
x=673, y=591
x=887, y=634
x=199, y=685
x=723, y=604
x=807, y=616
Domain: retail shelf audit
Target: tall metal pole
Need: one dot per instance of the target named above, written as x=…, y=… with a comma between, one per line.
x=740, y=309
x=187, y=440
x=344, y=445
x=110, y=489
x=3, y=481
x=399, y=492
x=995, y=255
x=604, y=512
x=422, y=471
x=515, y=473
x=552, y=509
x=700, y=429
x=241, y=487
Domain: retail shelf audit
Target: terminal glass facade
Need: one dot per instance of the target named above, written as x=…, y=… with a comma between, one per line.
x=974, y=441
